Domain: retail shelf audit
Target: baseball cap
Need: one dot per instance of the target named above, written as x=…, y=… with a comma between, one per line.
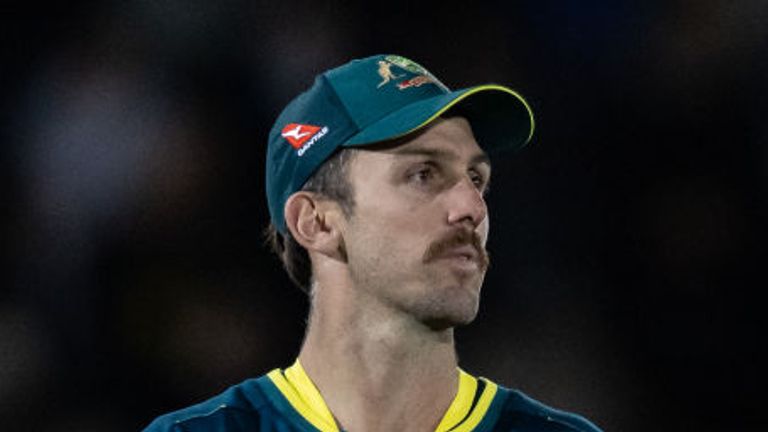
x=375, y=99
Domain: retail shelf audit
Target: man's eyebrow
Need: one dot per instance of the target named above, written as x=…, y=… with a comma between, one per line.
x=480, y=158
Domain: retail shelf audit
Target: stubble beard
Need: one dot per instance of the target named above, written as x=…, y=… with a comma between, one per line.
x=450, y=305
x=435, y=297
x=455, y=303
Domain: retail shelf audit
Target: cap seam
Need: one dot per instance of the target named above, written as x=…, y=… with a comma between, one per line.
x=341, y=102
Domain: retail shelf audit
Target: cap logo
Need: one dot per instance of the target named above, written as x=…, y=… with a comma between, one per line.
x=422, y=75
x=297, y=134
x=416, y=81
x=385, y=72
x=302, y=136
x=404, y=63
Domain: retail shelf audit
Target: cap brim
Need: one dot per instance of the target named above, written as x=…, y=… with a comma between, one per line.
x=501, y=119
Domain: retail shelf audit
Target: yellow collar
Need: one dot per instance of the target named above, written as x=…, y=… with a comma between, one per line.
x=304, y=397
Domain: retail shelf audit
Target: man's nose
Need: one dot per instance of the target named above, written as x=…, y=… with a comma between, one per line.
x=466, y=203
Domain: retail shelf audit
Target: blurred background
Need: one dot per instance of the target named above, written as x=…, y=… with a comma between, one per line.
x=628, y=242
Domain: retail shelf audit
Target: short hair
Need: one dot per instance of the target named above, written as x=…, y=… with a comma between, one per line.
x=331, y=181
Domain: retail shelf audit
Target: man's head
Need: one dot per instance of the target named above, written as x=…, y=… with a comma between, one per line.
x=416, y=239
x=335, y=154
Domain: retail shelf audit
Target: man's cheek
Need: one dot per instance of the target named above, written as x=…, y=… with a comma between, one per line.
x=483, y=229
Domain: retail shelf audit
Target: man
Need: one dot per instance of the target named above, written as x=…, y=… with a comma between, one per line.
x=375, y=182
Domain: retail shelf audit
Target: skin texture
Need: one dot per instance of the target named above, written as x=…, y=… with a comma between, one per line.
x=395, y=277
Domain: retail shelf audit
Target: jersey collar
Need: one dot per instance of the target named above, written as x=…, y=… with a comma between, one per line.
x=469, y=406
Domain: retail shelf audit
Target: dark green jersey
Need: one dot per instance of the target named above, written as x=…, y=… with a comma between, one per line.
x=285, y=400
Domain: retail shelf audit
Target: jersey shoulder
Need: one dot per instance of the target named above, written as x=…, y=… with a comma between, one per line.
x=521, y=412
x=240, y=407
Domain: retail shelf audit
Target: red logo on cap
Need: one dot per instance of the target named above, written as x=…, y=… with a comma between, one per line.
x=298, y=134
x=416, y=81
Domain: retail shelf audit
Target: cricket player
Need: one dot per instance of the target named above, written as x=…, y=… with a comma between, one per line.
x=376, y=178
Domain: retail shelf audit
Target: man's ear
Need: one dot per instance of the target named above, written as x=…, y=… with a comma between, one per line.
x=312, y=222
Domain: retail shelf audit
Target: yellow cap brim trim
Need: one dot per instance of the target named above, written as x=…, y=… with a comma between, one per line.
x=474, y=90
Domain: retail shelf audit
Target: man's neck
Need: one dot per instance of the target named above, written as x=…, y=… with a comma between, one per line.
x=378, y=371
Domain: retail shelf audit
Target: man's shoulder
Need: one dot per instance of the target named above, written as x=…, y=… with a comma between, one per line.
x=240, y=405
x=522, y=412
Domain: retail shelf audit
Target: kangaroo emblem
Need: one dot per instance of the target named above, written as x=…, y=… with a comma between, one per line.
x=385, y=72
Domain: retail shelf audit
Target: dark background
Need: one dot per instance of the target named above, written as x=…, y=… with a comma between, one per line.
x=628, y=242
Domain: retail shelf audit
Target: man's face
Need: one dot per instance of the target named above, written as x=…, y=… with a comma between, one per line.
x=415, y=242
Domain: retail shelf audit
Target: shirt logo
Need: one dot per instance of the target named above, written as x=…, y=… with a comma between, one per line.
x=302, y=137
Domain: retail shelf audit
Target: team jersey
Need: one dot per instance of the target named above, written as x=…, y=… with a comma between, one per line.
x=287, y=401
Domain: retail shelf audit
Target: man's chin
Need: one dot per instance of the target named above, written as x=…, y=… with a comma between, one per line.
x=446, y=302
x=445, y=323
x=459, y=311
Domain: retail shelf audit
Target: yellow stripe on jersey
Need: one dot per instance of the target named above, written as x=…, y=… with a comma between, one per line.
x=304, y=397
x=304, y=385
x=461, y=404
x=481, y=408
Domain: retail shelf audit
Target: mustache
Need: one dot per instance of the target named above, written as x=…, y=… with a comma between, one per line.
x=457, y=239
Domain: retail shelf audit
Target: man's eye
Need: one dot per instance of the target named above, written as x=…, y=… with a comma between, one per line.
x=478, y=180
x=423, y=174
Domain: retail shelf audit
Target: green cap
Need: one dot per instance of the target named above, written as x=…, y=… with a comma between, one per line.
x=375, y=99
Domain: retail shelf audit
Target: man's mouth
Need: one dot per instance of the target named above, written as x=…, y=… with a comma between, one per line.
x=467, y=253
x=465, y=250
